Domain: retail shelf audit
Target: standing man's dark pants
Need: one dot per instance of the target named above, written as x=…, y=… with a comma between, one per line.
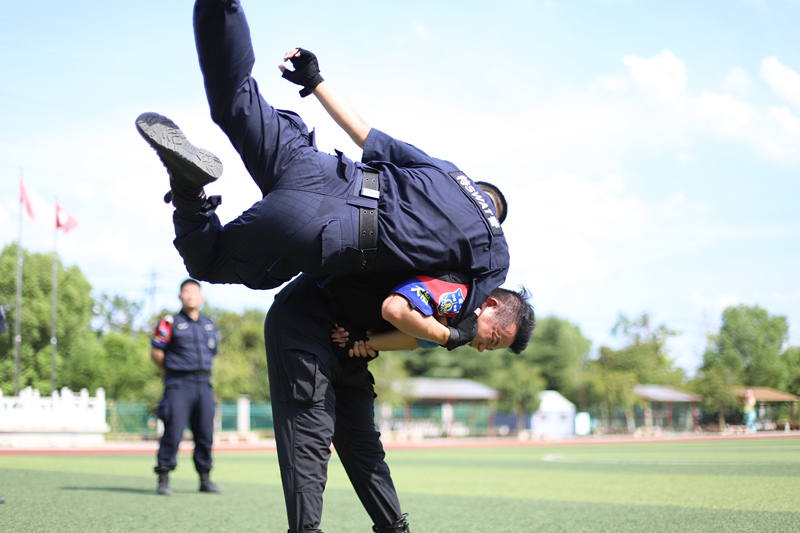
x=188, y=399
x=317, y=401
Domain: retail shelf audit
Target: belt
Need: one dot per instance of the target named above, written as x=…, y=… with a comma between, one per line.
x=190, y=372
x=368, y=218
x=368, y=222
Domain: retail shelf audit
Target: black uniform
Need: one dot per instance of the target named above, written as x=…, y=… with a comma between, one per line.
x=189, y=347
x=318, y=398
x=423, y=213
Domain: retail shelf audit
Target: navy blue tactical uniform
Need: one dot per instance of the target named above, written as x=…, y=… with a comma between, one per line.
x=316, y=206
x=189, y=347
x=318, y=398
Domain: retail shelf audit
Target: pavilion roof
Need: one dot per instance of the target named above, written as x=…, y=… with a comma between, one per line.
x=766, y=394
x=663, y=393
x=445, y=389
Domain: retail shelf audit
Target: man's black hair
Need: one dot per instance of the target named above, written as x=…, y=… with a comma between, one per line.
x=187, y=281
x=497, y=197
x=516, y=308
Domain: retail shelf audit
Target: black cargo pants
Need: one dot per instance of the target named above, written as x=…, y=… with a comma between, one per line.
x=316, y=401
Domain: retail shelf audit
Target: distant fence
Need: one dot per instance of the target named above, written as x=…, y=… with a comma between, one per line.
x=467, y=418
x=62, y=419
x=682, y=418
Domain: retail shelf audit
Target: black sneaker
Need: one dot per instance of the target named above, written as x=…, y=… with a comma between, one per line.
x=186, y=164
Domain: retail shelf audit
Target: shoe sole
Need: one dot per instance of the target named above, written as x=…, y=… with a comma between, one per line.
x=182, y=159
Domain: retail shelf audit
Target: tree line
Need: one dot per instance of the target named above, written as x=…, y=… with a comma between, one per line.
x=99, y=345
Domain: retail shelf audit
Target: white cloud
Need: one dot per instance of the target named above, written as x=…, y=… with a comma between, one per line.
x=724, y=114
x=787, y=119
x=783, y=81
x=714, y=305
x=615, y=84
x=663, y=76
x=570, y=229
x=737, y=81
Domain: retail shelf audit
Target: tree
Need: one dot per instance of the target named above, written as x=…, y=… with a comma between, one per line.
x=716, y=385
x=645, y=354
x=749, y=343
x=614, y=389
x=115, y=314
x=463, y=362
x=560, y=351
x=791, y=360
x=74, y=305
x=240, y=367
x=388, y=368
x=519, y=385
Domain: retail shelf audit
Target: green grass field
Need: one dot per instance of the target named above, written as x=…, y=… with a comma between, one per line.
x=710, y=485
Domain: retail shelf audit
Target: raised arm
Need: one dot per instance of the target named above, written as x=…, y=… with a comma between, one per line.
x=306, y=73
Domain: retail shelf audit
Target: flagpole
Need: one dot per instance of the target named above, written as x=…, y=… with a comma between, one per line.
x=55, y=307
x=18, y=313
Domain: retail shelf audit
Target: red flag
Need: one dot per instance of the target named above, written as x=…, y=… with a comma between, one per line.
x=64, y=220
x=24, y=200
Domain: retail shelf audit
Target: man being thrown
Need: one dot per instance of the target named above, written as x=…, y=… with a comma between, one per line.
x=399, y=211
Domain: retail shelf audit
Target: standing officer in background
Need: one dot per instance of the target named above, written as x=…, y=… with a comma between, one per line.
x=183, y=346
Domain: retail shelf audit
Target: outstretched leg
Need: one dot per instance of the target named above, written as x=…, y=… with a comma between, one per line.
x=267, y=140
x=266, y=246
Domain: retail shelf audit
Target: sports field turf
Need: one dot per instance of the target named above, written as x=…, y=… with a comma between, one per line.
x=722, y=485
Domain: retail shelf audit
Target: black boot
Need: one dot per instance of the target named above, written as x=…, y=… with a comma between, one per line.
x=187, y=165
x=400, y=526
x=163, y=484
x=206, y=485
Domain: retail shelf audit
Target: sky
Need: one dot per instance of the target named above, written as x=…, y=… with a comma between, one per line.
x=649, y=150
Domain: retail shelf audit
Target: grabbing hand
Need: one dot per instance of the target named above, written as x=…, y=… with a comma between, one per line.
x=362, y=349
x=306, y=70
x=464, y=332
x=346, y=339
x=339, y=336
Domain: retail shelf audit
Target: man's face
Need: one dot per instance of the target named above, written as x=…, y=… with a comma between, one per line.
x=191, y=297
x=491, y=334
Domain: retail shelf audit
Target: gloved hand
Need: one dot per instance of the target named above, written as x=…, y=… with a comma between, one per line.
x=305, y=73
x=463, y=333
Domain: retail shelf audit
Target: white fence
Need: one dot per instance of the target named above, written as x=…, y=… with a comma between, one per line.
x=65, y=419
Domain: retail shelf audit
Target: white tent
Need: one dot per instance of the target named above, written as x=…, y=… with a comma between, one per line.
x=555, y=418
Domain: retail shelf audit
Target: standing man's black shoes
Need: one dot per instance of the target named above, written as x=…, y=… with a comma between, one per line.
x=163, y=484
x=206, y=485
x=188, y=166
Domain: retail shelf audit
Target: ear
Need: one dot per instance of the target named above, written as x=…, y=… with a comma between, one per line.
x=490, y=302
